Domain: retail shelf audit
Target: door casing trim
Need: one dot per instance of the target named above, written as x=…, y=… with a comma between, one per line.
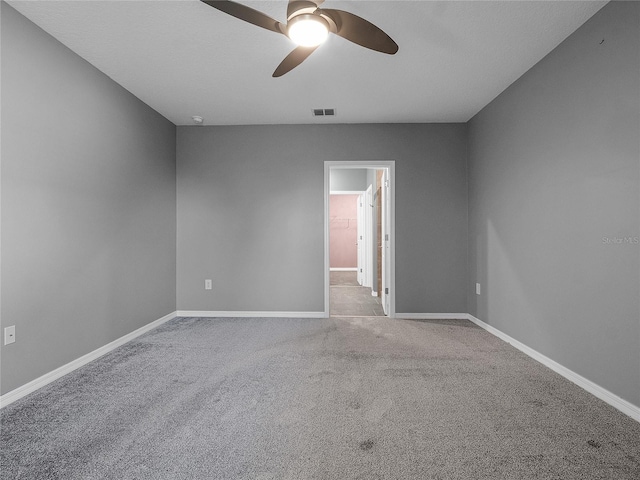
x=390, y=166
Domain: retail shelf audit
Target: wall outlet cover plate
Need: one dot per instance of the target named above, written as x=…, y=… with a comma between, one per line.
x=9, y=334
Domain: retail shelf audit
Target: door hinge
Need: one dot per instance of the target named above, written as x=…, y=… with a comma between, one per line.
x=386, y=183
x=386, y=237
x=386, y=291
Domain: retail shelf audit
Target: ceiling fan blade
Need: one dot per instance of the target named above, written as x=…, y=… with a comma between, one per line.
x=360, y=31
x=295, y=58
x=247, y=14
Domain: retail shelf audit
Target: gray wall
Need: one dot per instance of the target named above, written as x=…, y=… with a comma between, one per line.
x=88, y=206
x=250, y=213
x=554, y=172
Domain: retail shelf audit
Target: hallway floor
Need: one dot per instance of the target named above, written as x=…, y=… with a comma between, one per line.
x=348, y=299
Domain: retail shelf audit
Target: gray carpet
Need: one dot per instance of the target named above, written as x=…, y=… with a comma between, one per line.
x=344, y=279
x=316, y=399
x=349, y=299
x=354, y=301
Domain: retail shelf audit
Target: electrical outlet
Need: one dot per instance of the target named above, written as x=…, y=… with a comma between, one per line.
x=9, y=334
x=477, y=289
x=208, y=284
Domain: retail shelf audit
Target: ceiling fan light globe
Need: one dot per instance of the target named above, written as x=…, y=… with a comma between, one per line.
x=308, y=30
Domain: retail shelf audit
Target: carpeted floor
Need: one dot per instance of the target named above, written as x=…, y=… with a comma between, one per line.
x=354, y=302
x=349, y=299
x=338, y=398
x=343, y=279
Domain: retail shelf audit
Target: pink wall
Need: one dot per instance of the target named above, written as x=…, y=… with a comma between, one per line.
x=343, y=231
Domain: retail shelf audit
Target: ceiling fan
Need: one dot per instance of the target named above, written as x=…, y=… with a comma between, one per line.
x=308, y=26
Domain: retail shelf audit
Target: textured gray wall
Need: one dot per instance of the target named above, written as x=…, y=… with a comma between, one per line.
x=553, y=173
x=88, y=206
x=250, y=213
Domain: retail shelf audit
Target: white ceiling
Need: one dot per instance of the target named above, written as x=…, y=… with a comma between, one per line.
x=184, y=58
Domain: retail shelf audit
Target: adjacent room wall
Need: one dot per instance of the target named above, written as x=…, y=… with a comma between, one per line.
x=348, y=179
x=343, y=231
x=554, y=204
x=355, y=179
x=88, y=206
x=243, y=191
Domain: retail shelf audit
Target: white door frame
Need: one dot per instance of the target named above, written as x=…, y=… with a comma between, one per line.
x=390, y=167
x=384, y=190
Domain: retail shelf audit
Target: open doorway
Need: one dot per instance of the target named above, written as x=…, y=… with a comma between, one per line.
x=359, y=239
x=351, y=259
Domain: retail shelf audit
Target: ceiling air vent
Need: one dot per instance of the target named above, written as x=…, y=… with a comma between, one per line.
x=324, y=112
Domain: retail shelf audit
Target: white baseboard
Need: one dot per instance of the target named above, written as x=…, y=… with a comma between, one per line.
x=603, y=394
x=433, y=316
x=341, y=269
x=374, y=294
x=47, y=378
x=233, y=314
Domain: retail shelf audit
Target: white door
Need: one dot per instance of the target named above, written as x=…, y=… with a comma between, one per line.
x=359, y=237
x=368, y=237
x=386, y=257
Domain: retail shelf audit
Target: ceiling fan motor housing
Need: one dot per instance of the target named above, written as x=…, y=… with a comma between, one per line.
x=300, y=7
